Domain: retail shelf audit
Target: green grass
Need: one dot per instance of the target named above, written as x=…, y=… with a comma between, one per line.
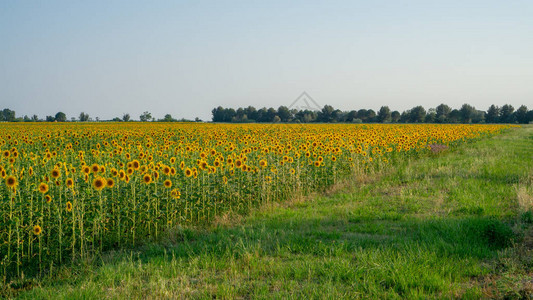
x=453, y=225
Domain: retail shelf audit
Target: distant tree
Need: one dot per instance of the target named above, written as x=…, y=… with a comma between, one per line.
x=431, y=116
x=197, y=119
x=34, y=118
x=454, y=116
x=530, y=116
x=276, y=119
x=361, y=114
x=338, y=116
x=405, y=117
x=145, y=116
x=521, y=115
x=284, y=114
x=479, y=117
x=219, y=114
x=270, y=114
x=395, y=116
x=493, y=114
x=442, y=111
x=50, y=119
x=27, y=119
x=467, y=113
x=125, y=117
x=351, y=116
x=251, y=112
x=371, y=116
x=7, y=115
x=168, y=118
x=326, y=114
x=506, y=114
x=384, y=115
x=117, y=119
x=262, y=115
x=84, y=117
x=418, y=114
x=60, y=117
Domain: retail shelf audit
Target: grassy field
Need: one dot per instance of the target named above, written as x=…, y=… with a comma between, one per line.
x=452, y=225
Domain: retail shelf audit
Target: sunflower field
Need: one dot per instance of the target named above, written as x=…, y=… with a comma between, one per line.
x=71, y=191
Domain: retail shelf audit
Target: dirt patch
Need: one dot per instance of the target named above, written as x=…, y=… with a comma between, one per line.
x=438, y=148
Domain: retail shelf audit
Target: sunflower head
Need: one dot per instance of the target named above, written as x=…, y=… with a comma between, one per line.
x=175, y=193
x=110, y=182
x=167, y=183
x=48, y=198
x=69, y=206
x=147, y=178
x=37, y=230
x=11, y=181
x=43, y=187
x=99, y=184
x=55, y=173
x=166, y=170
x=69, y=182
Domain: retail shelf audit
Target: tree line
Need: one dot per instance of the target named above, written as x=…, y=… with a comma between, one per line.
x=441, y=114
x=7, y=115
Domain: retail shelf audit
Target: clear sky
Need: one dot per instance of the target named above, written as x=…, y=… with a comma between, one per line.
x=107, y=58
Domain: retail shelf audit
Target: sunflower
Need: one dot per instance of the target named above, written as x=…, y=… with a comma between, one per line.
x=263, y=163
x=225, y=180
x=121, y=174
x=110, y=182
x=172, y=171
x=167, y=183
x=333, y=158
x=166, y=170
x=95, y=168
x=147, y=178
x=86, y=169
x=135, y=164
x=188, y=172
x=48, y=198
x=6, y=153
x=175, y=193
x=292, y=171
x=238, y=163
x=11, y=181
x=99, y=184
x=43, y=187
x=69, y=206
x=37, y=230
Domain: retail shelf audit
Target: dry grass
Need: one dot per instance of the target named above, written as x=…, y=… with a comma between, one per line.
x=524, y=193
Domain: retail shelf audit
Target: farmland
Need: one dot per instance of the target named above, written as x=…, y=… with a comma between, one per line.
x=72, y=193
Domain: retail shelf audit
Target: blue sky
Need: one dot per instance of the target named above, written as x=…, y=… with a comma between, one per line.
x=107, y=58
